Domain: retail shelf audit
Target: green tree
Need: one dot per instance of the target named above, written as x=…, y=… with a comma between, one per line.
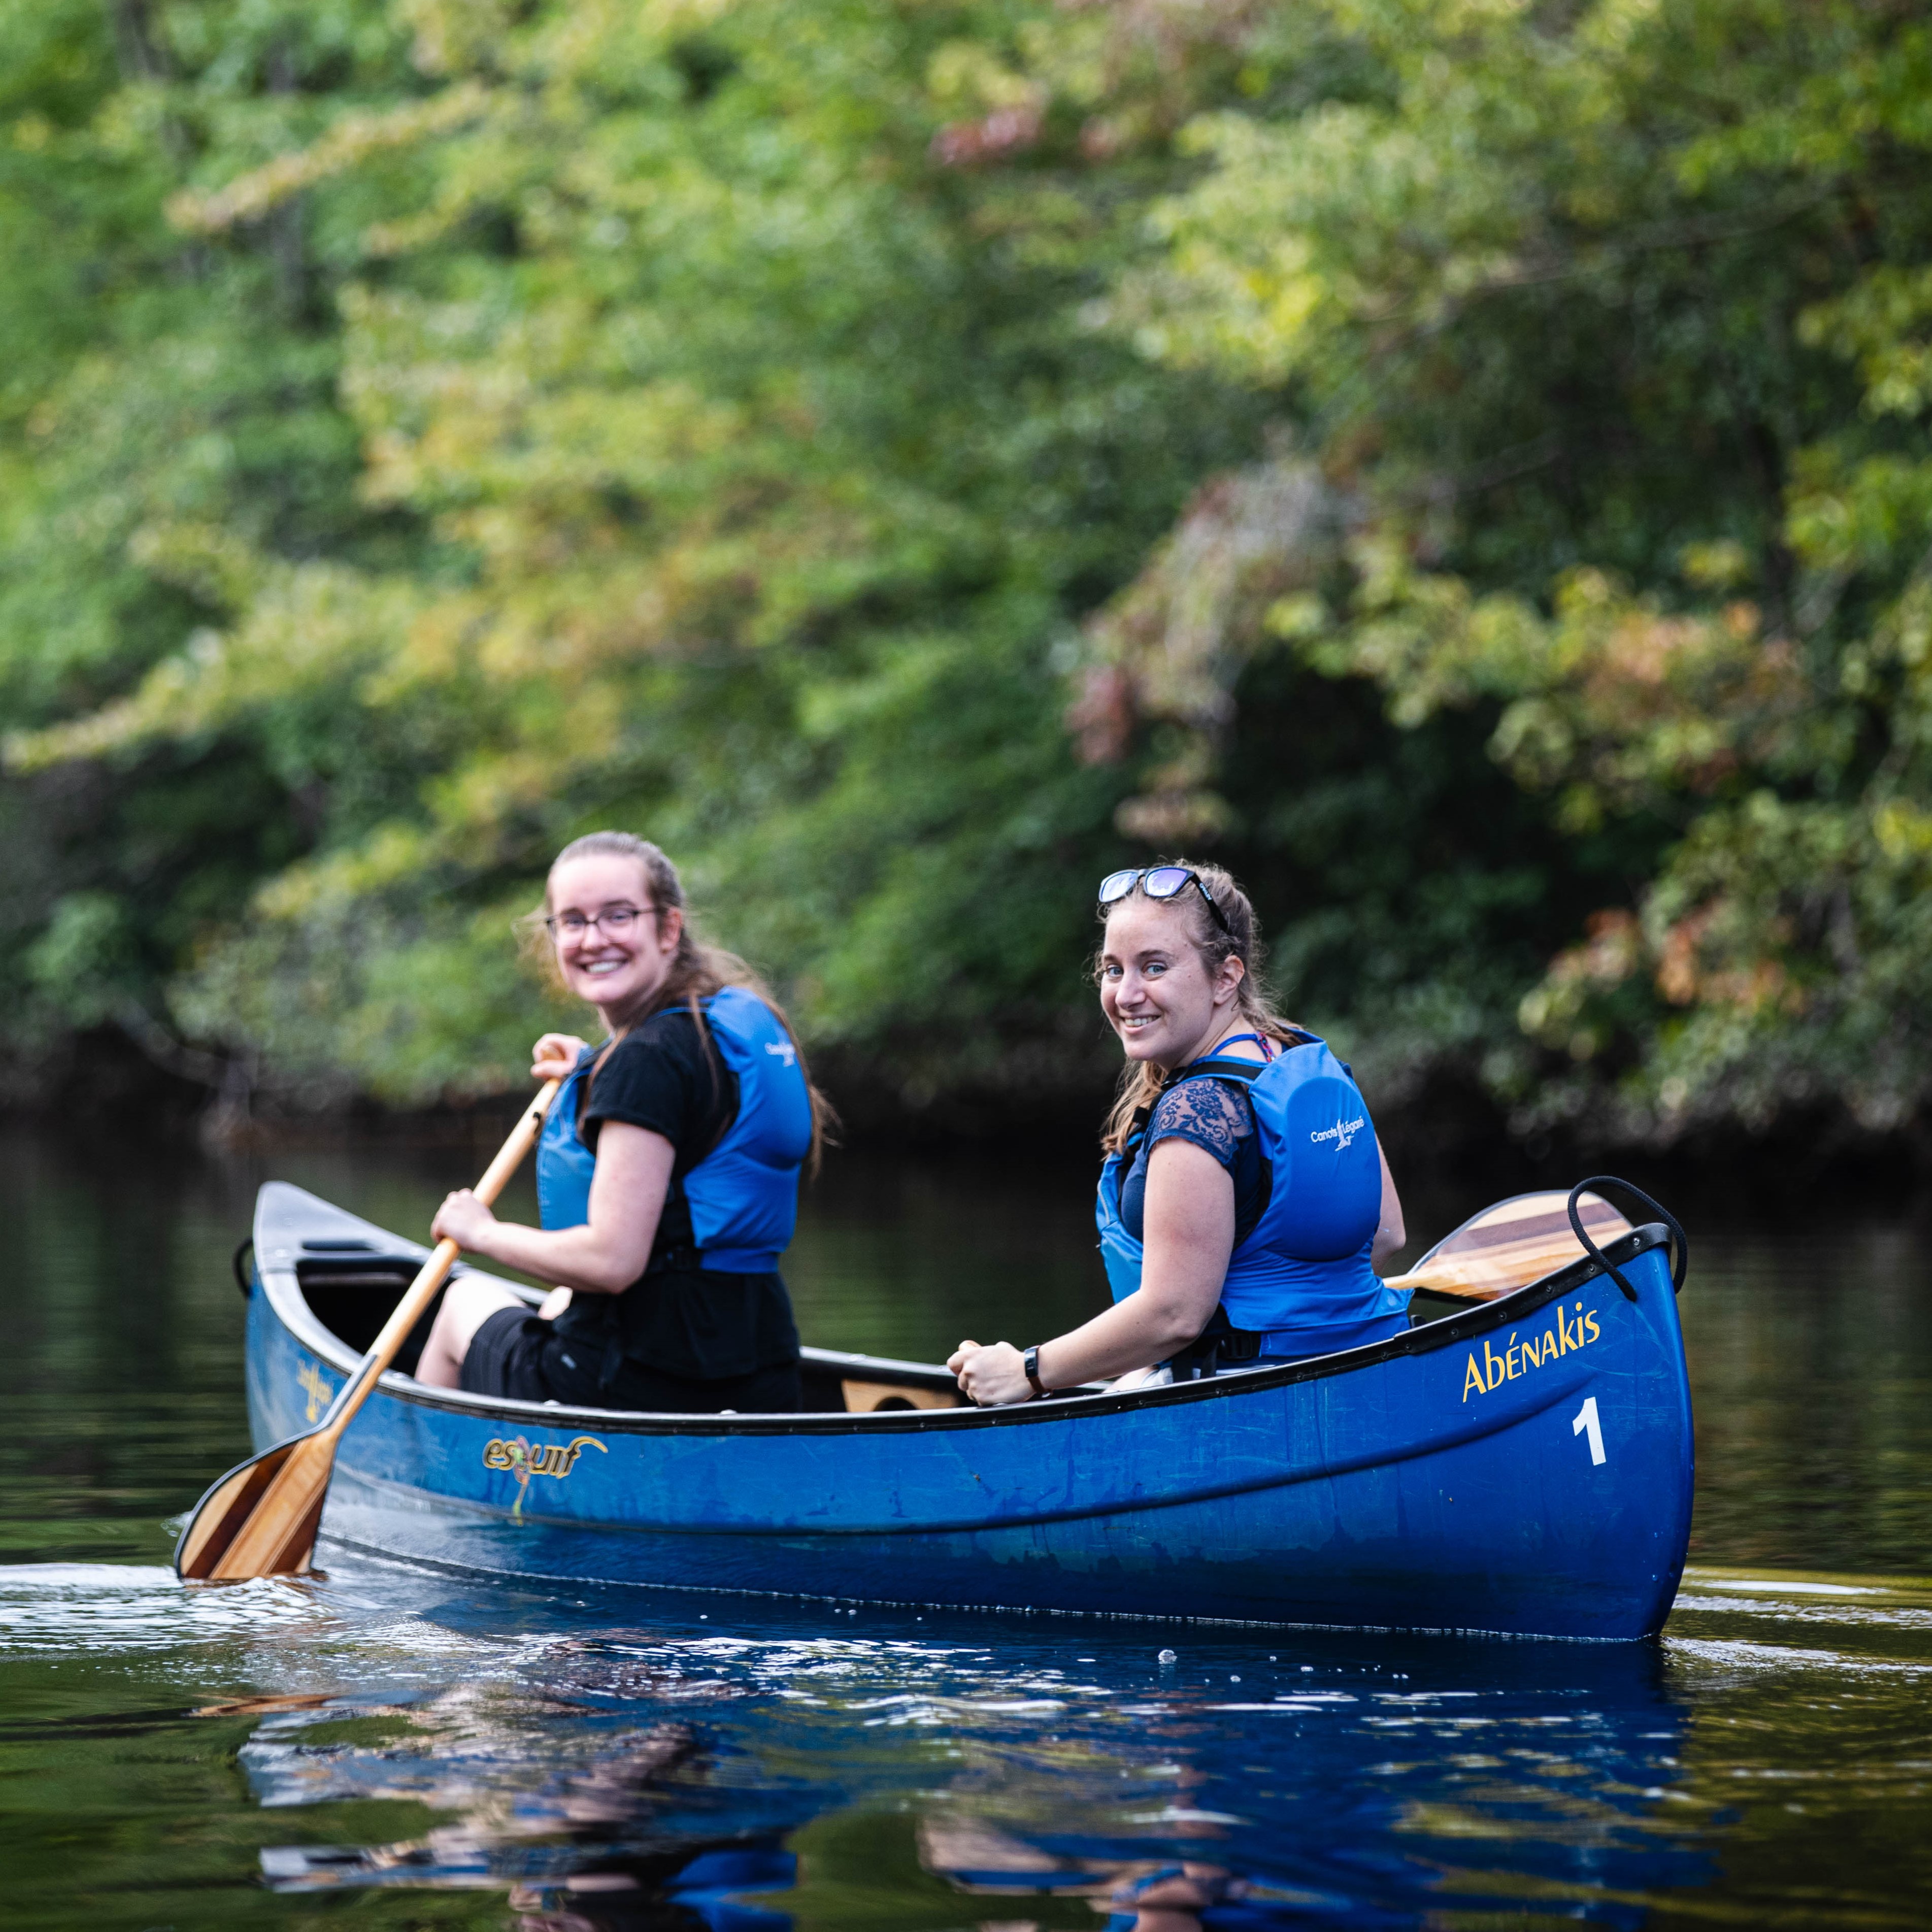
x=167, y=417
x=742, y=461
x=1469, y=461
x=1604, y=331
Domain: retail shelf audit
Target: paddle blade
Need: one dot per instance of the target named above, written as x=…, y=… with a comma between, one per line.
x=260, y=1519
x=1510, y=1245
x=222, y=1510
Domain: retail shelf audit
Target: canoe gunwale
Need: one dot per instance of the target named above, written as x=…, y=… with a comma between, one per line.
x=284, y=1295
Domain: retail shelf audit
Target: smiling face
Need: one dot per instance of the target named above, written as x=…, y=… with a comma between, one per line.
x=615, y=970
x=1165, y=1002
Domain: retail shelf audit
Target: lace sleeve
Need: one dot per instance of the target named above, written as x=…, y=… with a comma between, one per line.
x=1212, y=1114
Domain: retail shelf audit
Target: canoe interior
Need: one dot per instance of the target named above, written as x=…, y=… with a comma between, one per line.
x=1426, y=1305
x=351, y=1288
x=351, y=1295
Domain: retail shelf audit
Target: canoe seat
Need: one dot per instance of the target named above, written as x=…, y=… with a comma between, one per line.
x=867, y=1398
x=834, y=1382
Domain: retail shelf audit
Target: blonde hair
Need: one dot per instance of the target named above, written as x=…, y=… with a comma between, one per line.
x=1140, y=1081
x=697, y=969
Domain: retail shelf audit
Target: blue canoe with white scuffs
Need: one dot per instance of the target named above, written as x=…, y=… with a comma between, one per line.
x=1521, y=1465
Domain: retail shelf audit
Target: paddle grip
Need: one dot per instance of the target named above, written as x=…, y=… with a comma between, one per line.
x=421, y=1292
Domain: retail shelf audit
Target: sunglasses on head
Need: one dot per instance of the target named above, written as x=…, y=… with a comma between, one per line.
x=1160, y=882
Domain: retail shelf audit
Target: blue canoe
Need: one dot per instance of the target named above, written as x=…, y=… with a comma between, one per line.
x=1521, y=1466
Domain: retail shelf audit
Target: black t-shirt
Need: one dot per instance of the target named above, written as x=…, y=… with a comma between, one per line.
x=700, y=1323
x=665, y=1077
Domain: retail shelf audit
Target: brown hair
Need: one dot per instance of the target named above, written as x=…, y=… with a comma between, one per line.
x=1140, y=1081
x=698, y=969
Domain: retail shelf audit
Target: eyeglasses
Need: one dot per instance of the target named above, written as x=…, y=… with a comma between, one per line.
x=1160, y=882
x=612, y=919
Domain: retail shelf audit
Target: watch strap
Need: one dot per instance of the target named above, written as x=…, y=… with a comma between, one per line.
x=1030, y=1360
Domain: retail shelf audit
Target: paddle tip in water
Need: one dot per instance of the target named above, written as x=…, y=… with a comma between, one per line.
x=258, y=1520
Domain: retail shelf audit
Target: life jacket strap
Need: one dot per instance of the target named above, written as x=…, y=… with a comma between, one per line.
x=1219, y=1344
x=683, y=1258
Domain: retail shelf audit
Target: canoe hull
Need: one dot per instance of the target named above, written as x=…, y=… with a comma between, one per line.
x=1528, y=1470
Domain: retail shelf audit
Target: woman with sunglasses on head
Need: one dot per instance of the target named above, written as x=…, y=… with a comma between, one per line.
x=666, y=1173
x=1244, y=1196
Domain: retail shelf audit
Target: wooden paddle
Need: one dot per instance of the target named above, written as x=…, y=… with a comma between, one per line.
x=1510, y=1245
x=260, y=1519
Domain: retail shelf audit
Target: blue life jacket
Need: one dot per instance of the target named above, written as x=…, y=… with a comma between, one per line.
x=564, y=1163
x=1301, y=1280
x=743, y=1195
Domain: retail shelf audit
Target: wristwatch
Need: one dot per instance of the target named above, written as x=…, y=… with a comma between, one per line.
x=1031, y=1362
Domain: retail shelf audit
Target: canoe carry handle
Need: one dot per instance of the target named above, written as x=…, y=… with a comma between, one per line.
x=243, y=1268
x=1680, y=1245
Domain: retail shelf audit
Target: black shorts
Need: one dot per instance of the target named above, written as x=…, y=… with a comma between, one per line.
x=520, y=1355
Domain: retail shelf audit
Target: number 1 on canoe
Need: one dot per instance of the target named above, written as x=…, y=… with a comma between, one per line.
x=1586, y=1418
x=260, y=1519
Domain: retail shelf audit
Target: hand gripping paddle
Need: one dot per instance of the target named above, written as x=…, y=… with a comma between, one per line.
x=260, y=1519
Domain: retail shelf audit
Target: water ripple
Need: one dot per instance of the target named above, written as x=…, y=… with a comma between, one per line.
x=111, y=1608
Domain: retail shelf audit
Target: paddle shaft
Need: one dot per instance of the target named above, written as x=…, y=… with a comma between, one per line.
x=260, y=1519
x=421, y=1292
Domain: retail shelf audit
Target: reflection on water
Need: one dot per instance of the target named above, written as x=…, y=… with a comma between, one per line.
x=575, y=1752
x=407, y=1749
x=1811, y=1368
x=381, y=1736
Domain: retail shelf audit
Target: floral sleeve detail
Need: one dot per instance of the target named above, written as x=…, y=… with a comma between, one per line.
x=1210, y=1113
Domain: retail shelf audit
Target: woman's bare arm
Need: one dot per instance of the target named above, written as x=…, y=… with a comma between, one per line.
x=1189, y=1228
x=1391, y=1235
x=607, y=1254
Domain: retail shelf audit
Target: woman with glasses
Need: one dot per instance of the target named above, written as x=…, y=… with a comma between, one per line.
x=1244, y=1197
x=666, y=1173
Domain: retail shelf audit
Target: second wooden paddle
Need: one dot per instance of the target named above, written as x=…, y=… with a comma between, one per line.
x=1510, y=1245
x=260, y=1519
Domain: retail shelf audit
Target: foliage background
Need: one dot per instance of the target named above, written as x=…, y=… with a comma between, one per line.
x=1462, y=462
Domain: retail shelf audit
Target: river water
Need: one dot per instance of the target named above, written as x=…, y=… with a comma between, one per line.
x=383, y=1748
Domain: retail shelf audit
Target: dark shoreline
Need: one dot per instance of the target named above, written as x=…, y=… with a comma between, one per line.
x=1448, y=1142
